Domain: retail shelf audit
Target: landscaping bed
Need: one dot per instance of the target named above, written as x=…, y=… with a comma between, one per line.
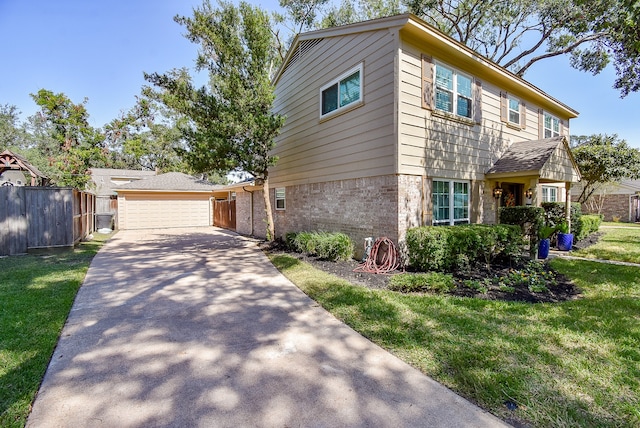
x=477, y=283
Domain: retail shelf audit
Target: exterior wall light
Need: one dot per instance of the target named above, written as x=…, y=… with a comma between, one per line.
x=497, y=192
x=528, y=193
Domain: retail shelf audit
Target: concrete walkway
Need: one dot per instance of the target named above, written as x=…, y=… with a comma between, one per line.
x=195, y=328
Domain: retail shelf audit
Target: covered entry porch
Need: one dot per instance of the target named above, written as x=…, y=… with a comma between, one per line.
x=530, y=172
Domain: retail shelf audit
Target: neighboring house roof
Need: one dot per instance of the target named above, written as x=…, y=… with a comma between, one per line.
x=107, y=179
x=533, y=158
x=11, y=160
x=171, y=181
x=413, y=27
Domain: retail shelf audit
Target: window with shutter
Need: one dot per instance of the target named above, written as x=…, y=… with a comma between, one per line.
x=453, y=91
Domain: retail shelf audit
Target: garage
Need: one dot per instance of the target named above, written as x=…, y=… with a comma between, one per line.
x=168, y=200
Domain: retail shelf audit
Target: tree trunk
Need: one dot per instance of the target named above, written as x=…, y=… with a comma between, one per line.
x=267, y=209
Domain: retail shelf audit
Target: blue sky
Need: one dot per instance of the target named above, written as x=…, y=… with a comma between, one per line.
x=99, y=50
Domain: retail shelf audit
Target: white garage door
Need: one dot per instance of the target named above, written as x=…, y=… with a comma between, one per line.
x=147, y=211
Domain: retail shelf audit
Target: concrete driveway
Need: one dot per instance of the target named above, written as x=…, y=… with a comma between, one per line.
x=195, y=328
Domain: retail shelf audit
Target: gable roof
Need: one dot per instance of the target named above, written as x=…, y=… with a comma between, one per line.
x=410, y=25
x=525, y=156
x=107, y=179
x=11, y=160
x=550, y=158
x=171, y=181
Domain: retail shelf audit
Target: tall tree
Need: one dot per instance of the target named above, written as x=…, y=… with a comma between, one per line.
x=77, y=146
x=516, y=33
x=603, y=160
x=146, y=137
x=231, y=123
x=12, y=133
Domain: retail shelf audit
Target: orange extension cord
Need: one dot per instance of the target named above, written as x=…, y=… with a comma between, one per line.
x=382, y=259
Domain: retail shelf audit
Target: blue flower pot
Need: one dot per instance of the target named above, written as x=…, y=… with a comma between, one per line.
x=565, y=241
x=543, y=248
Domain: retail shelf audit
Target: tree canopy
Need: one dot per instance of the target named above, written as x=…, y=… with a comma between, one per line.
x=604, y=159
x=515, y=34
x=231, y=126
x=68, y=142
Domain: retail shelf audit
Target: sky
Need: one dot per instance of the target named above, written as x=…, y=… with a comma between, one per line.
x=99, y=50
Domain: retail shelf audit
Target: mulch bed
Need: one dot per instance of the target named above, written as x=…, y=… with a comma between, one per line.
x=563, y=290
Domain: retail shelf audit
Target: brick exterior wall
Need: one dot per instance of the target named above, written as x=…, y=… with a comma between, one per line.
x=245, y=201
x=620, y=206
x=360, y=208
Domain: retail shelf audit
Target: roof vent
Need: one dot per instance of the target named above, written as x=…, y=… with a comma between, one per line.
x=303, y=47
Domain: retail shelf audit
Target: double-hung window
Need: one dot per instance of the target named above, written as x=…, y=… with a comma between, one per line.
x=453, y=93
x=342, y=93
x=450, y=201
x=280, y=198
x=551, y=126
x=514, y=111
x=549, y=194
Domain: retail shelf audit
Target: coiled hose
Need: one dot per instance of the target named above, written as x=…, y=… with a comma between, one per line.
x=382, y=259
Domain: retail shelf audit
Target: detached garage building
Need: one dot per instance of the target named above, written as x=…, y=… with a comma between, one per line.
x=168, y=200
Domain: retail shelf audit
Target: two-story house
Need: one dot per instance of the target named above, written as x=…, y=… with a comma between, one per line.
x=392, y=124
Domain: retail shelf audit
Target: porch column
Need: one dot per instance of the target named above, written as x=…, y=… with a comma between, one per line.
x=567, y=204
x=533, y=185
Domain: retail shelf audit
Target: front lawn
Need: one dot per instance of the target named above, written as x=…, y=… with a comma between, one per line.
x=36, y=292
x=575, y=363
x=621, y=242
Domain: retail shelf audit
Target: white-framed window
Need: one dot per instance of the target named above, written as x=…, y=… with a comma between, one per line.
x=514, y=110
x=280, y=198
x=549, y=194
x=450, y=201
x=342, y=93
x=551, y=126
x=453, y=91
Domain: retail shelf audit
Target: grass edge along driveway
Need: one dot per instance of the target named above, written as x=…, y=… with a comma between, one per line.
x=575, y=363
x=36, y=294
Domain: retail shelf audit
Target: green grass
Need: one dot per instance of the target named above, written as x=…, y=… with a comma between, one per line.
x=616, y=244
x=36, y=292
x=575, y=363
x=620, y=224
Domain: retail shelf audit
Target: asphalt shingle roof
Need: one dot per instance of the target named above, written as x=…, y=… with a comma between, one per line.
x=170, y=181
x=526, y=156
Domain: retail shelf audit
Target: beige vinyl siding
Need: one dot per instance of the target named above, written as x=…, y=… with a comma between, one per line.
x=560, y=166
x=440, y=146
x=357, y=143
x=147, y=210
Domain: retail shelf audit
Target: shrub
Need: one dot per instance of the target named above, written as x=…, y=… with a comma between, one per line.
x=588, y=224
x=427, y=247
x=330, y=246
x=530, y=220
x=555, y=214
x=445, y=248
x=432, y=281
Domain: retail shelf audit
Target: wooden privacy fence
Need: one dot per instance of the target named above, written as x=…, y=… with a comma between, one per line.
x=43, y=217
x=224, y=214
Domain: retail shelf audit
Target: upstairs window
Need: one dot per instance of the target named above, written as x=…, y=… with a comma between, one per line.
x=551, y=126
x=342, y=93
x=514, y=111
x=453, y=93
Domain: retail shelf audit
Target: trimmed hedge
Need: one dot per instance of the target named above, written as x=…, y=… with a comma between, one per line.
x=447, y=248
x=530, y=219
x=588, y=224
x=330, y=246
